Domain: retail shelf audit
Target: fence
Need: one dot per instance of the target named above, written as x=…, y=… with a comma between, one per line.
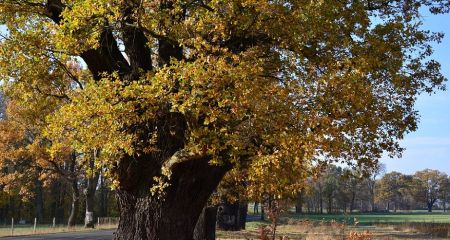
x=107, y=222
x=16, y=228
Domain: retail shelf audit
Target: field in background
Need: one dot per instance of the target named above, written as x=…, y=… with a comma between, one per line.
x=378, y=218
x=383, y=226
x=317, y=230
x=402, y=216
x=374, y=226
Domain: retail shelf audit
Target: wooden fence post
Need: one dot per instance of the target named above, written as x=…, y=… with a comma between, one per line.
x=12, y=226
x=34, y=227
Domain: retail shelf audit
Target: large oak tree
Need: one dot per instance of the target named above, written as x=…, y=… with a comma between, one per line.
x=179, y=92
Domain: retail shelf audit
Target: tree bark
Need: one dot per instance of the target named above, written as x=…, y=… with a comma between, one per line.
x=205, y=229
x=228, y=216
x=174, y=214
x=232, y=216
x=242, y=215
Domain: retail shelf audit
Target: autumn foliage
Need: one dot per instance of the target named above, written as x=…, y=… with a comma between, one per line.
x=171, y=90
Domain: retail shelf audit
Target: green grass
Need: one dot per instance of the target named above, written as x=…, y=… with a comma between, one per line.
x=437, y=216
x=378, y=218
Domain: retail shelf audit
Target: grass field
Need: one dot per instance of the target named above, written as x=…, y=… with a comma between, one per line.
x=437, y=216
x=373, y=226
x=332, y=231
x=401, y=225
x=378, y=218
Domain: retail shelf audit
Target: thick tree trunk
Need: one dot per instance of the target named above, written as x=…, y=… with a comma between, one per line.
x=232, y=216
x=174, y=214
x=228, y=216
x=205, y=229
x=242, y=215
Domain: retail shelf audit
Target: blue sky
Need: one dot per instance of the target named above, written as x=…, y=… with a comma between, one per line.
x=429, y=146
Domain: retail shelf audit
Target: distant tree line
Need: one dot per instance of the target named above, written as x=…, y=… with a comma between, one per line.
x=339, y=189
x=55, y=200
x=34, y=186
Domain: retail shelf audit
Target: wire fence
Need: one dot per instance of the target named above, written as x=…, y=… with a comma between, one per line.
x=18, y=228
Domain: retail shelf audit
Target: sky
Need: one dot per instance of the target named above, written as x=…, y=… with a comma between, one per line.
x=429, y=145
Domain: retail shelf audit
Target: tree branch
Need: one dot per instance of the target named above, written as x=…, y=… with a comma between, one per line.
x=135, y=41
x=105, y=59
x=166, y=49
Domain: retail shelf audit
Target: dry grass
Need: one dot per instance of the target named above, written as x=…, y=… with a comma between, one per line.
x=299, y=229
x=440, y=230
x=20, y=230
x=290, y=229
x=323, y=230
